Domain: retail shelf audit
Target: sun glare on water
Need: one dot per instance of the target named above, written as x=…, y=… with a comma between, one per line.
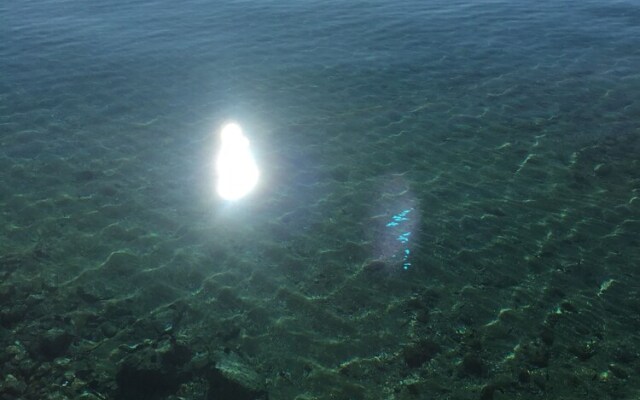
x=235, y=167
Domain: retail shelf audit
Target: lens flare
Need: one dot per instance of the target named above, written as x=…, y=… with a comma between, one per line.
x=235, y=167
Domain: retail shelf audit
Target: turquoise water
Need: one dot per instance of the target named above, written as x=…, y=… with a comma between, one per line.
x=502, y=137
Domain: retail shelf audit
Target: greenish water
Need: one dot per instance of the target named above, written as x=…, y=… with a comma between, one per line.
x=501, y=137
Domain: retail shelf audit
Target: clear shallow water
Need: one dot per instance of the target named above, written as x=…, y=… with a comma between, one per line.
x=510, y=128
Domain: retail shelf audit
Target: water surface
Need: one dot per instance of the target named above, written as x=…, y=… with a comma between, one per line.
x=501, y=136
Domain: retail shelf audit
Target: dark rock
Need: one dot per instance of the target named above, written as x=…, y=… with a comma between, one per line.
x=12, y=386
x=108, y=329
x=145, y=381
x=7, y=293
x=118, y=310
x=430, y=297
x=487, y=392
x=625, y=354
x=524, y=376
x=413, y=389
x=584, y=351
x=154, y=372
x=53, y=344
x=422, y=316
x=229, y=332
x=416, y=354
x=538, y=356
x=618, y=371
x=540, y=382
x=86, y=296
x=177, y=355
x=151, y=372
x=12, y=315
x=472, y=341
x=228, y=298
x=415, y=303
x=472, y=365
x=568, y=307
x=547, y=336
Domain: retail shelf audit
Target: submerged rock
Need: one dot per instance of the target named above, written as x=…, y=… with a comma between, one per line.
x=232, y=378
x=416, y=354
x=53, y=344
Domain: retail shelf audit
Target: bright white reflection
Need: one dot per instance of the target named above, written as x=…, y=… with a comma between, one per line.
x=236, y=170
